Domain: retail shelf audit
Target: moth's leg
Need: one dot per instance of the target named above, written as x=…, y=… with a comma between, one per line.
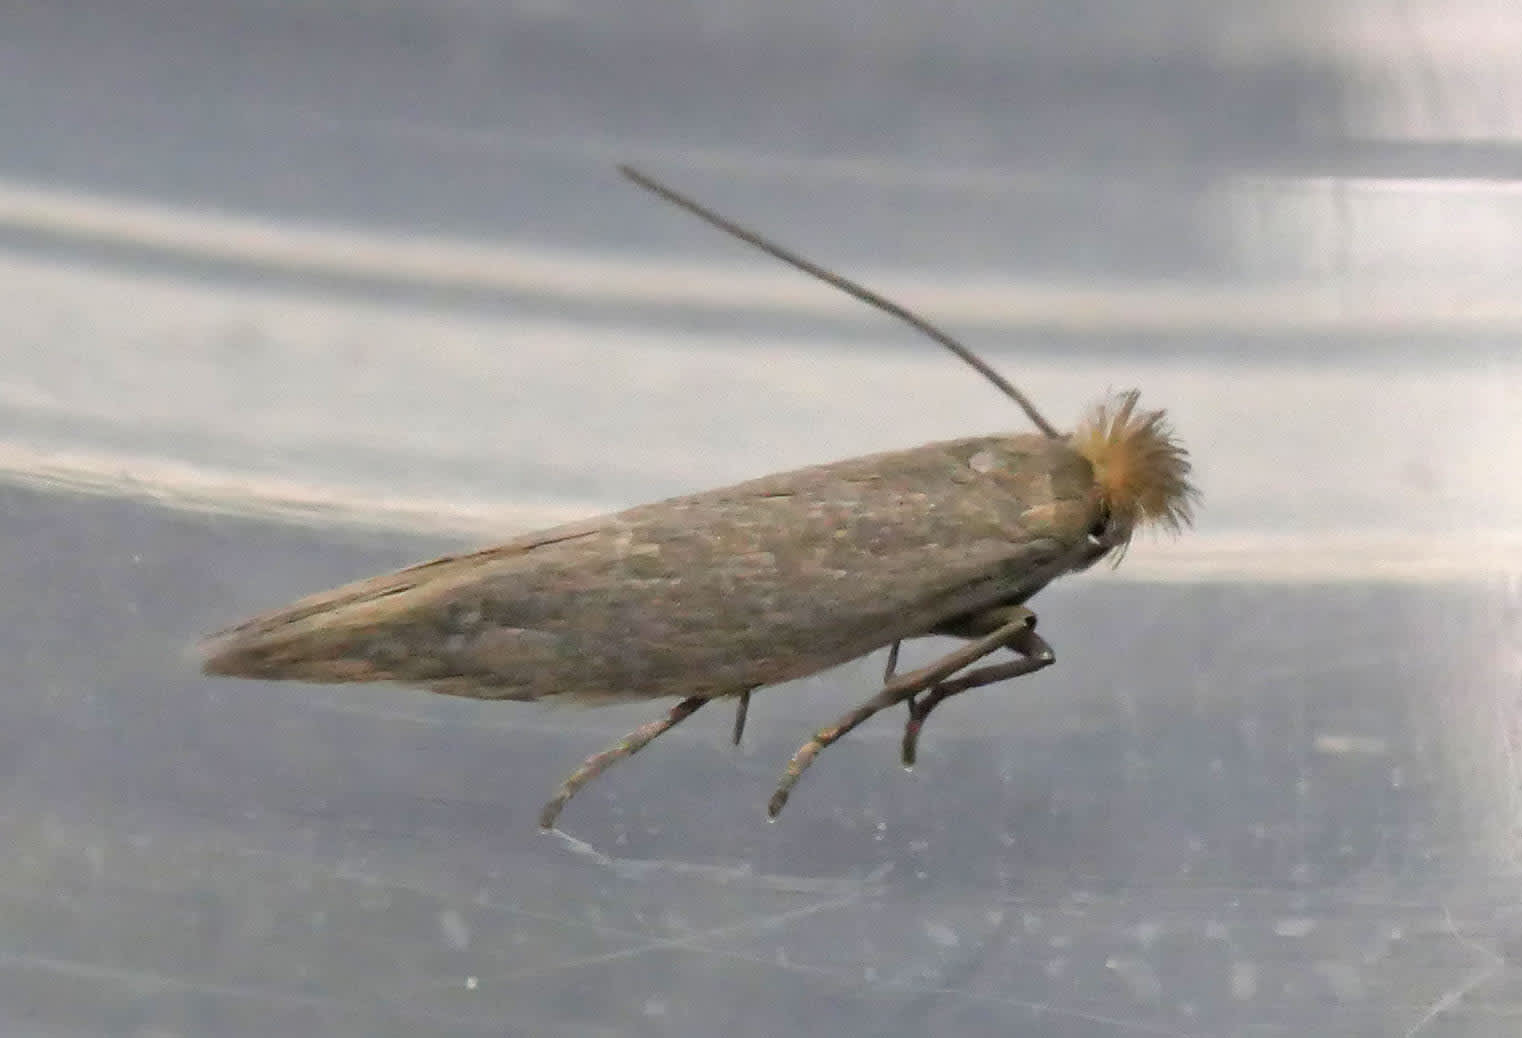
x=896, y=691
x=626, y=747
x=976, y=625
x=892, y=666
x=1035, y=654
x=969, y=626
x=741, y=709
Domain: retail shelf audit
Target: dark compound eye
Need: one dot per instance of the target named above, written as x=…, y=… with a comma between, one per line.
x=1101, y=524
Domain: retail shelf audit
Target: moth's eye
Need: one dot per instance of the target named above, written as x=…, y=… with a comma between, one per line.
x=1101, y=524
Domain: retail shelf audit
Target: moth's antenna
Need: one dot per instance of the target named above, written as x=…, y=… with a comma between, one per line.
x=847, y=286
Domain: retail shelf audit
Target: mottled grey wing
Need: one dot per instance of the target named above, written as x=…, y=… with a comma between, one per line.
x=710, y=594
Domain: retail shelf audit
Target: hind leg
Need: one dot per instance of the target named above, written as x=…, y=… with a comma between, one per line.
x=626, y=747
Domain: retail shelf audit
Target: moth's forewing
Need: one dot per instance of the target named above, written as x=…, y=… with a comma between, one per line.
x=704, y=595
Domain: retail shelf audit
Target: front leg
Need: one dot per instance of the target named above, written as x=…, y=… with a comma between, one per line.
x=1035, y=652
x=1035, y=655
x=897, y=690
x=976, y=625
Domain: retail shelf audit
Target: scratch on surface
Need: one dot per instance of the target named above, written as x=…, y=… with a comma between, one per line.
x=1457, y=994
x=695, y=944
x=632, y=869
x=698, y=942
x=690, y=943
x=145, y=983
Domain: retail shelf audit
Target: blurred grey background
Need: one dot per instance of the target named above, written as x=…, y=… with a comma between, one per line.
x=294, y=293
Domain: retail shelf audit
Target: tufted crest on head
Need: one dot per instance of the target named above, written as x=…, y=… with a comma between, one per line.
x=1140, y=468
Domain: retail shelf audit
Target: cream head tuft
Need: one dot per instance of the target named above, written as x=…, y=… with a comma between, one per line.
x=1140, y=468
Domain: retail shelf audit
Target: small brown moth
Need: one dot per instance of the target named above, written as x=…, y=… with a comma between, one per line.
x=715, y=595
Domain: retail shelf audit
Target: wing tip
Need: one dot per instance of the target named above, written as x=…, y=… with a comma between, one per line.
x=259, y=654
x=223, y=654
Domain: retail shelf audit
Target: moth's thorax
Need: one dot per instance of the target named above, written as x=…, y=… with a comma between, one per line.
x=1049, y=485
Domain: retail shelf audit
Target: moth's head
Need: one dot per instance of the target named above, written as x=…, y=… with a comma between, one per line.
x=1141, y=470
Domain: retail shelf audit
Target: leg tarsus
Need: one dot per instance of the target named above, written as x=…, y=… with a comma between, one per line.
x=626, y=747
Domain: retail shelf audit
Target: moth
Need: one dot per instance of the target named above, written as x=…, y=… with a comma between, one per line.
x=714, y=595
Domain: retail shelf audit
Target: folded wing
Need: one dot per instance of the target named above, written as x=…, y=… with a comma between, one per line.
x=704, y=595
